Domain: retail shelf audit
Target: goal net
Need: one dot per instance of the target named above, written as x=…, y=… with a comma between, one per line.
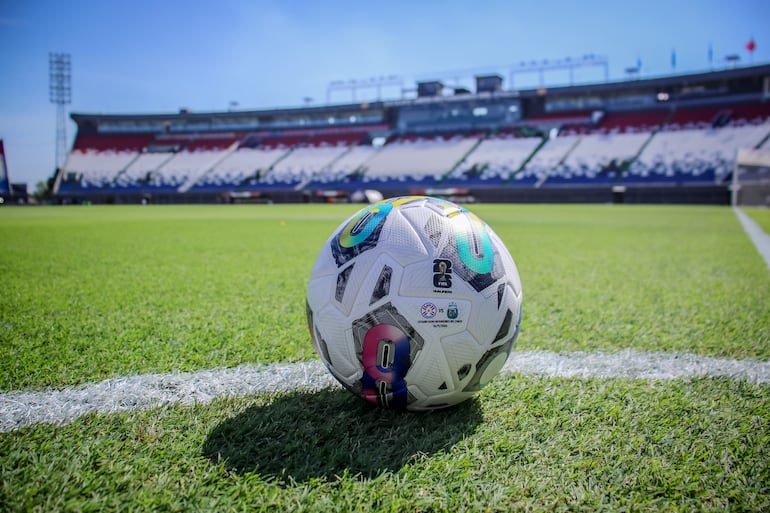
x=751, y=178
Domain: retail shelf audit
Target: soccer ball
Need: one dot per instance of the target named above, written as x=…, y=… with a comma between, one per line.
x=414, y=303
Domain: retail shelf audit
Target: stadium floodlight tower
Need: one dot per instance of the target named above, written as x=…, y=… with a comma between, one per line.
x=60, y=94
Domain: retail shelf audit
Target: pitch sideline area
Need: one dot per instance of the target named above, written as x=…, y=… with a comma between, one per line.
x=757, y=235
x=154, y=390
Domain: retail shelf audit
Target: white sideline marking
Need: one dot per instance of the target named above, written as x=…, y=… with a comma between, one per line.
x=757, y=235
x=19, y=409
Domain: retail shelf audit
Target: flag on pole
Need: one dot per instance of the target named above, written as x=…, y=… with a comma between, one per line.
x=751, y=46
x=711, y=55
x=673, y=59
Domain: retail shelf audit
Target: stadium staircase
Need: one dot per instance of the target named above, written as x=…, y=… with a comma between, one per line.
x=304, y=183
x=763, y=142
x=115, y=181
x=147, y=177
x=544, y=179
x=526, y=161
x=261, y=174
x=628, y=163
x=192, y=180
x=57, y=179
x=461, y=160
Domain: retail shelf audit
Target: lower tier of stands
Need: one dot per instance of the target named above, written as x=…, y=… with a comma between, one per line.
x=687, y=148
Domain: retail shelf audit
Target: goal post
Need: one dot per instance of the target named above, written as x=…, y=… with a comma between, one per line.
x=751, y=178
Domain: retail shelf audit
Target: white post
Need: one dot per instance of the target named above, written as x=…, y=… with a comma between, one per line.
x=734, y=186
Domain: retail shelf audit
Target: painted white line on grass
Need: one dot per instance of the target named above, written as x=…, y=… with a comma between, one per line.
x=19, y=409
x=635, y=365
x=757, y=235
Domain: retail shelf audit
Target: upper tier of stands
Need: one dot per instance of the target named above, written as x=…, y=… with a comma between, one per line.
x=660, y=145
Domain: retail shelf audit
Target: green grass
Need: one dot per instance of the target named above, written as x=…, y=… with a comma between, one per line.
x=523, y=444
x=96, y=292
x=760, y=215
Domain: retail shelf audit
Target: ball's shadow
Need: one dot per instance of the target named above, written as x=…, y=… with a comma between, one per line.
x=306, y=435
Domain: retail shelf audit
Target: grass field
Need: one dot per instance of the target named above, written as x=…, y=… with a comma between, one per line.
x=761, y=216
x=96, y=292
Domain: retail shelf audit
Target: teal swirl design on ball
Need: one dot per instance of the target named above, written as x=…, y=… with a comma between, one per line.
x=474, y=246
x=362, y=232
x=364, y=224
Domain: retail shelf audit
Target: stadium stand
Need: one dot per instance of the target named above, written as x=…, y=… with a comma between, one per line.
x=236, y=168
x=96, y=160
x=197, y=157
x=307, y=160
x=637, y=121
x=139, y=173
x=415, y=159
x=529, y=145
x=496, y=159
x=597, y=158
x=693, y=155
x=550, y=157
x=347, y=169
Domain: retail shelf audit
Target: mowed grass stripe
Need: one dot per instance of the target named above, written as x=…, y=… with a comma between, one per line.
x=142, y=392
x=757, y=234
x=525, y=443
x=760, y=215
x=91, y=293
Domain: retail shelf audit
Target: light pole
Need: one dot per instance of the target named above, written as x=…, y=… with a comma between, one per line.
x=60, y=94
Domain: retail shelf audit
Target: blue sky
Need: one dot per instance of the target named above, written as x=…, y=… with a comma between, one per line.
x=144, y=56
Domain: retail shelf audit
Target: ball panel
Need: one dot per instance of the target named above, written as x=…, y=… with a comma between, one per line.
x=330, y=325
x=428, y=374
x=386, y=346
x=342, y=282
x=489, y=366
x=401, y=241
x=382, y=286
x=462, y=353
x=320, y=290
x=511, y=271
x=491, y=370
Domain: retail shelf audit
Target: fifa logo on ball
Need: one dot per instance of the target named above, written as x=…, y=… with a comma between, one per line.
x=442, y=273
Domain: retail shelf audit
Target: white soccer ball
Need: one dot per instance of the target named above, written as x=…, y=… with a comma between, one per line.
x=414, y=303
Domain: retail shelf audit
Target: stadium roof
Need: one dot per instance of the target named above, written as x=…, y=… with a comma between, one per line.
x=185, y=115
x=663, y=81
